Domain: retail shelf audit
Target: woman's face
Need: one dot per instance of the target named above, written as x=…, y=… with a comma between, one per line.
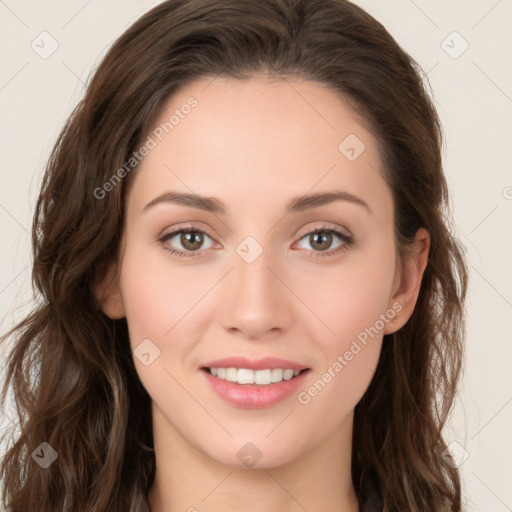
x=253, y=280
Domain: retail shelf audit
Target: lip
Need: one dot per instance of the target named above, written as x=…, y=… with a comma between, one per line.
x=264, y=363
x=251, y=396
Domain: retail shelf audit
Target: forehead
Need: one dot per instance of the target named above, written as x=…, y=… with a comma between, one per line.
x=259, y=139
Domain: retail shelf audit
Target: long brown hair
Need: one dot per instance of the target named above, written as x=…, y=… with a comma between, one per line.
x=71, y=369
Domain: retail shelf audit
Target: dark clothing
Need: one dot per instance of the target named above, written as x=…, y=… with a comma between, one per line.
x=373, y=502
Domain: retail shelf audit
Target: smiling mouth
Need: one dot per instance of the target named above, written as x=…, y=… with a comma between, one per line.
x=247, y=376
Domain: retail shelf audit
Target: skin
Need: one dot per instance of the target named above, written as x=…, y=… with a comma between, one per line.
x=254, y=145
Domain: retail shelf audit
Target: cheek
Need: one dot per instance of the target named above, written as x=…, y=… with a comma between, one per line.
x=161, y=302
x=162, y=305
x=353, y=304
x=351, y=298
x=334, y=391
x=163, y=308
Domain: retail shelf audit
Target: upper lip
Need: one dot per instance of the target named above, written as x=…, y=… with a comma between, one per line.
x=254, y=364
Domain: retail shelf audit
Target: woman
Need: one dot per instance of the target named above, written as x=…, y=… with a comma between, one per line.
x=250, y=295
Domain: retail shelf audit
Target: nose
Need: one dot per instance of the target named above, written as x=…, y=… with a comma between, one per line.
x=256, y=303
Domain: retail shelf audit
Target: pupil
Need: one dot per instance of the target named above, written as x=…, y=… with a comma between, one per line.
x=188, y=237
x=325, y=236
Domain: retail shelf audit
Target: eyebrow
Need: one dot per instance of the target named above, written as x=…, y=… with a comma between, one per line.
x=297, y=204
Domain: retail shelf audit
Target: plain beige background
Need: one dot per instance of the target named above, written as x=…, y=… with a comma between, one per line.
x=464, y=46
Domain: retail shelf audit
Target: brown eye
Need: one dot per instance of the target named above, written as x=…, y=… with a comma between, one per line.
x=191, y=240
x=185, y=242
x=321, y=240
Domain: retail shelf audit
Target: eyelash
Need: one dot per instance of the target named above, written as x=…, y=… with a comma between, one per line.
x=347, y=240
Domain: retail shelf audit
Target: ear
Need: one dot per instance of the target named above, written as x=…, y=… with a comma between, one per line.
x=407, y=282
x=108, y=293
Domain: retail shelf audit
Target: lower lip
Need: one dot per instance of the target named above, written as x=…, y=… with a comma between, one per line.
x=249, y=396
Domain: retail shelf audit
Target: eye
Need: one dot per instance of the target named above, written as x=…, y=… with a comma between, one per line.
x=190, y=239
x=321, y=239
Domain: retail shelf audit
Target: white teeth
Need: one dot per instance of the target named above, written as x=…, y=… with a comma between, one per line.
x=288, y=374
x=245, y=376
x=231, y=374
x=277, y=375
x=262, y=377
x=259, y=377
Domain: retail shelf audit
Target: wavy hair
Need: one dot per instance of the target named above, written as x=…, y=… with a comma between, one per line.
x=70, y=366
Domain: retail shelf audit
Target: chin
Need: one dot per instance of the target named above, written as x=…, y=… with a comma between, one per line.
x=249, y=452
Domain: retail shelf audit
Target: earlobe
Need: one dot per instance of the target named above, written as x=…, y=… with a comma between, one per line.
x=410, y=278
x=108, y=293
